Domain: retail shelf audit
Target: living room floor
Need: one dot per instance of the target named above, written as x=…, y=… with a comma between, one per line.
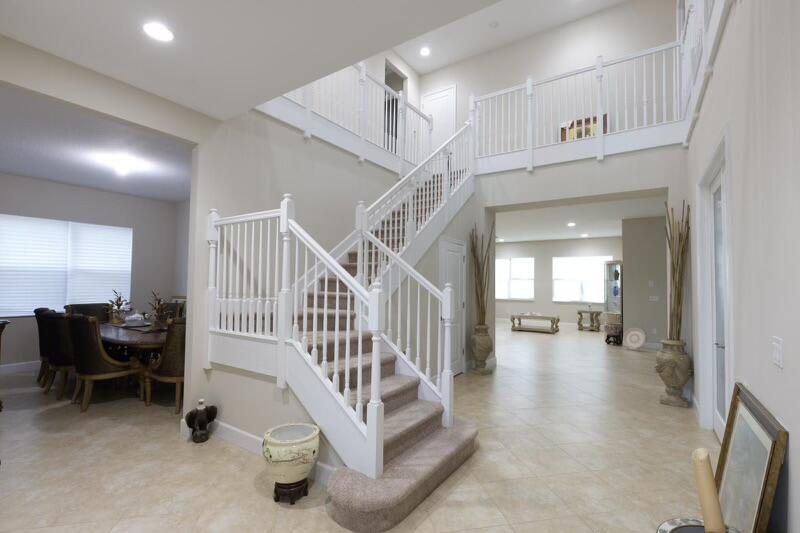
x=573, y=439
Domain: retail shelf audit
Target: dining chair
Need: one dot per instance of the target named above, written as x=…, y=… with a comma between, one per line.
x=44, y=340
x=174, y=309
x=168, y=367
x=60, y=357
x=101, y=311
x=92, y=362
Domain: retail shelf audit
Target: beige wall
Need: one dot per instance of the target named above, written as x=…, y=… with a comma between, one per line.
x=543, y=253
x=752, y=98
x=644, y=277
x=181, y=247
x=629, y=27
x=154, y=251
x=246, y=165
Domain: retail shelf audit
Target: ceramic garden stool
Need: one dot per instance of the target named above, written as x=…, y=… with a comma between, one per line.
x=686, y=525
x=291, y=451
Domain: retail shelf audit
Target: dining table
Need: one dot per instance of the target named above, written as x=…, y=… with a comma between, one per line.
x=136, y=344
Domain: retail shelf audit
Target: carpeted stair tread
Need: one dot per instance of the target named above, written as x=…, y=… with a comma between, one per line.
x=366, y=361
x=359, y=503
x=405, y=426
x=396, y=390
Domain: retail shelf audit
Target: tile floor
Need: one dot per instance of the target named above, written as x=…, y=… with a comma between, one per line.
x=572, y=439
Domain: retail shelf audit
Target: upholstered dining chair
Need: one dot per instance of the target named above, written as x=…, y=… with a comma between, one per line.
x=92, y=362
x=168, y=368
x=60, y=356
x=44, y=344
x=3, y=324
x=101, y=311
x=174, y=309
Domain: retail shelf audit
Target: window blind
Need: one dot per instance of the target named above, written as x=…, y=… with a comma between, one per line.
x=50, y=263
x=514, y=278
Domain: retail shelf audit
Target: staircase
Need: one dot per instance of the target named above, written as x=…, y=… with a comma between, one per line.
x=361, y=338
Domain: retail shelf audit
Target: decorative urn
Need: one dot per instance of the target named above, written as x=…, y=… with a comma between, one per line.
x=674, y=367
x=482, y=347
x=291, y=451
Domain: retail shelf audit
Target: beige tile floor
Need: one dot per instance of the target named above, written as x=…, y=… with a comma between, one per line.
x=572, y=439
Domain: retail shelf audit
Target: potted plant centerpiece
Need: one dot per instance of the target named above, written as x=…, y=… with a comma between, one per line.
x=673, y=365
x=480, y=253
x=159, y=313
x=119, y=304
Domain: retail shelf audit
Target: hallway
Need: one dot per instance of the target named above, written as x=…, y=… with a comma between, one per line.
x=572, y=439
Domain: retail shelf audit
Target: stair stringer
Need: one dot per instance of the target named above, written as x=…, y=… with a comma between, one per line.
x=346, y=434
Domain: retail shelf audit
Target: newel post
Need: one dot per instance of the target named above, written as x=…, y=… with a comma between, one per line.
x=362, y=110
x=308, y=103
x=375, y=405
x=285, y=295
x=401, y=132
x=446, y=383
x=531, y=118
x=212, y=236
x=411, y=216
x=600, y=118
x=430, y=136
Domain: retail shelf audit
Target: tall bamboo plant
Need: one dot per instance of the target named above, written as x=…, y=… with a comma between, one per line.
x=480, y=254
x=678, y=244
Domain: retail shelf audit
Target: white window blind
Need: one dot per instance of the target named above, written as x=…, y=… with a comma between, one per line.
x=514, y=278
x=50, y=263
x=579, y=279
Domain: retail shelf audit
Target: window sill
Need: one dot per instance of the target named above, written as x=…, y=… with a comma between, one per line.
x=514, y=300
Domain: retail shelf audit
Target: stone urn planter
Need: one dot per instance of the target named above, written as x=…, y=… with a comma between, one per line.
x=482, y=347
x=674, y=367
x=291, y=451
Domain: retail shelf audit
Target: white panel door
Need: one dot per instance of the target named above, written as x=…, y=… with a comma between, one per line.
x=452, y=269
x=441, y=105
x=722, y=385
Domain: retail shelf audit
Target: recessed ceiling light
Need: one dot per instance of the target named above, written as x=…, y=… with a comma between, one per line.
x=122, y=163
x=424, y=51
x=500, y=240
x=571, y=224
x=157, y=31
x=584, y=235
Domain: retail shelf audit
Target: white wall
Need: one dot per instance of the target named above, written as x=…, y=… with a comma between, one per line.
x=629, y=27
x=376, y=67
x=645, y=306
x=154, y=250
x=752, y=98
x=543, y=253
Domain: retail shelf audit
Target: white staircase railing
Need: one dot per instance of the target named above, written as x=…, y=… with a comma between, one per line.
x=356, y=101
x=403, y=211
x=637, y=91
x=258, y=288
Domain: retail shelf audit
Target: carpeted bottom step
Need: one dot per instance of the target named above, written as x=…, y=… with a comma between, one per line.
x=359, y=503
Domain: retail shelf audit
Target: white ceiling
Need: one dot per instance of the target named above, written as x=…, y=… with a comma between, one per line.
x=474, y=34
x=43, y=137
x=227, y=57
x=601, y=218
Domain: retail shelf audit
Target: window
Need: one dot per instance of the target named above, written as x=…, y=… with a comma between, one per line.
x=514, y=278
x=579, y=279
x=51, y=263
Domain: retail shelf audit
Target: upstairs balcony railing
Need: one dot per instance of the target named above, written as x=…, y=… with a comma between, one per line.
x=610, y=97
x=368, y=108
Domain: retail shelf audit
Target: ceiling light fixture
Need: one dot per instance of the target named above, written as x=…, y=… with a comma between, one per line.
x=424, y=51
x=571, y=224
x=584, y=235
x=500, y=240
x=159, y=32
x=122, y=163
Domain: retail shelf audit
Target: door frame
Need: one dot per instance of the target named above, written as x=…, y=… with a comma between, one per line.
x=427, y=95
x=443, y=243
x=717, y=172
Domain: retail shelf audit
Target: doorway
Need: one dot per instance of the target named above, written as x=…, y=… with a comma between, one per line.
x=715, y=340
x=452, y=269
x=441, y=105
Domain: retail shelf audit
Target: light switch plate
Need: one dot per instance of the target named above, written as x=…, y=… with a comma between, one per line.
x=777, y=351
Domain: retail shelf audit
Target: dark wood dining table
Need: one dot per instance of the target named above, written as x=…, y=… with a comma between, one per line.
x=138, y=345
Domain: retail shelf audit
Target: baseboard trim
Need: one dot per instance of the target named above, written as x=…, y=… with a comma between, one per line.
x=19, y=368
x=252, y=443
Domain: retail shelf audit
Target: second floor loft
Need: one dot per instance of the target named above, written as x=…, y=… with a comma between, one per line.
x=611, y=105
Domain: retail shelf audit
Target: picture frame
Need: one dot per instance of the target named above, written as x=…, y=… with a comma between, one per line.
x=750, y=461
